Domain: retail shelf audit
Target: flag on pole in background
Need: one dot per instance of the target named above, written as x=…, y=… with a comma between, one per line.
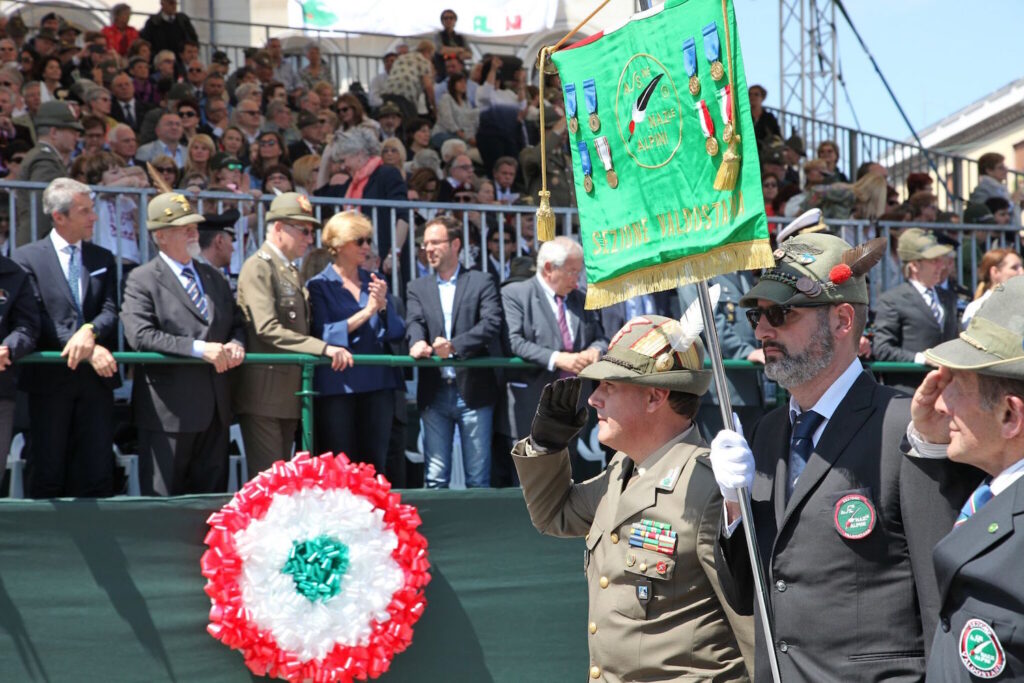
x=658, y=117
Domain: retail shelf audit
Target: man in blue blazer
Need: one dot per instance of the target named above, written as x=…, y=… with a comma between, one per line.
x=71, y=406
x=971, y=410
x=454, y=312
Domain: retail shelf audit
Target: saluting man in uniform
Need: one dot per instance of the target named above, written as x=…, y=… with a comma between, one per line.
x=971, y=410
x=650, y=519
x=277, y=316
x=844, y=521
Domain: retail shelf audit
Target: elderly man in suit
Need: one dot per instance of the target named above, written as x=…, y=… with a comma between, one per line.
x=71, y=407
x=548, y=325
x=454, y=312
x=277, y=320
x=126, y=107
x=650, y=520
x=917, y=314
x=971, y=410
x=57, y=132
x=181, y=307
x=843, y=521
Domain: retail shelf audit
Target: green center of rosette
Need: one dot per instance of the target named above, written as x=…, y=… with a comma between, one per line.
x=317, y=566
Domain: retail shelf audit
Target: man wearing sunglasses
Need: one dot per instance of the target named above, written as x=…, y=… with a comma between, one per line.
x=273, y=301
x=843, y=521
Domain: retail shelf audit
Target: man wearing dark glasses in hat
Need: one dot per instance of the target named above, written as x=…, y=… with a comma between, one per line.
x=844, y=522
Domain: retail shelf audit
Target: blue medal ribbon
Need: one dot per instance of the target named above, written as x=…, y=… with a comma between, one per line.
x=690, y=56
x=590, y=95
x=585, y=156
x=711, y=47
x=570, y=99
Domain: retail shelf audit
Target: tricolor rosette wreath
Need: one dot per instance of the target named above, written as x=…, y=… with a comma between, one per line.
x=315, y=571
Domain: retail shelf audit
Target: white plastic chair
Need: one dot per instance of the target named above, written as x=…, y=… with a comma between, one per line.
x=129, y=462
x=238, y=466
x=17, y=467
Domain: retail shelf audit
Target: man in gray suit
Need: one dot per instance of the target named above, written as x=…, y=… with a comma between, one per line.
x=548, y=325
x=178, y=306
x=917, y=314
x=57, y=132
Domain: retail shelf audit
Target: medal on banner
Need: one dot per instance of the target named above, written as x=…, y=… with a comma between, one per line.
x=588, y=183
x=712, y=50
x=570, y=107
x=708, y=126
x=590, y=97
x=604, y=152
x=725, y=106
x=690, y=62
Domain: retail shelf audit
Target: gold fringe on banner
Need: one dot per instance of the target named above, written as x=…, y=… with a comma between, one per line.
x=750, y=255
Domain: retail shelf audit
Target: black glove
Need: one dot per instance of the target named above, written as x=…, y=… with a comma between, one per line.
x=557, y=420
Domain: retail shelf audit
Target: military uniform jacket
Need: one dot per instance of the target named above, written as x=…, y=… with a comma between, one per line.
x=277, y=318
x=978, y=566
x=683, y=629
x=42, y=164
x=854, y=607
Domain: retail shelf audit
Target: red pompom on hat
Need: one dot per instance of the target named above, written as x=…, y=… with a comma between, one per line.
x=840, y=274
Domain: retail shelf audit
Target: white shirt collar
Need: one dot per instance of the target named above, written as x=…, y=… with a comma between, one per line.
x=177, y=267
x=1007, y=477
x=451, y=280
x=919, y=287
x=547, y=290
x=833, y=396
x=59, y=243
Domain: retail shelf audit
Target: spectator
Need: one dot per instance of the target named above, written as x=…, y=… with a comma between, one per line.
x=219, y=65
x=213, y=89
x=559, y=165
x=277, y=178
x=916, y=182
x=8, y=52
x=199, y=153
x=304, y=173
x=168, y=29
x=924, y=207
x=93, y=138
x=142, y=49
x=248, y=119
x=417, y=134
x=122, y=142
x=996, y=267
x=273, y=91
x=27, y=59
x=765, y=123
x=311, y=136
x=412, y=78
x=57, y=132
x=145, y=88
x=168, y=141
x=793, y=154
x=273, y=303
x=548, y=326
x=393, y=153
x=770, y=190
x=182, y=412
x=314, y=71
x=269, y=152
x=916, y=315
x=310, y=102
x=329, y=124
x=46, y=42
x=503, y=105
x=871, y=167
x=1001, y=210
x=233, y=143
x=454, y=312
x=359, y=153
x=448, y=44
x=126, y=107
x=351, y=115
x=828, y=151
x=188, y=112
x=9, y=129
x=117, y=214
x=352, y=308
x=504, y=175
x=119, y=34
x=501, y=248
x=50, y=76
x=195, y=75
x=279, y=120
x=169, y=100
x=20, y=328
x=378, y=81
x=456, y=117
x=284, y=72
x=815, y=172
x=216, y=111
x=216, y=240
x=452, y=148
x=31, y=93
x=71, y=407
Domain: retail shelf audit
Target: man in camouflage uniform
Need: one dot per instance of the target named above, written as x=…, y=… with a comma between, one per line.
x=273, y=300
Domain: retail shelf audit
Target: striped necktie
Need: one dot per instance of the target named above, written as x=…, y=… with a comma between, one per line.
x=933, y=303
x=981, y=495
x=75, y=280
x=192, y=288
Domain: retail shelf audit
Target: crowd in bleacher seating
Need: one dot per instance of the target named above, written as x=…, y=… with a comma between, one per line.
x=129, y=109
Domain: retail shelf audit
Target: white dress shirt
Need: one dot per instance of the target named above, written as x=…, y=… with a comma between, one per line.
x=198, y=345
x=446, y=288
x=64, y=257
x=570, y=318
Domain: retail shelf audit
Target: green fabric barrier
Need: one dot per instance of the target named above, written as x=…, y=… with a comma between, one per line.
x=110, y=590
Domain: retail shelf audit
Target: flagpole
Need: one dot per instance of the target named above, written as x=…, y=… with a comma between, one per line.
x=725, y=404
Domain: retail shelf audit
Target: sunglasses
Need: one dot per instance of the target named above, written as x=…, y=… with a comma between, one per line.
x=187, y=114
x=17, y=160
x=322, y=121
x=362, y=241
x=305, y=232
x=268, y=143
x=344, y=109
x=193, y=70
x=775, y=315
x=166, y=169
x=232, y=167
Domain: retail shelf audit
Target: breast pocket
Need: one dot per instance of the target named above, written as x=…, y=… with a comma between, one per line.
x=648, y=586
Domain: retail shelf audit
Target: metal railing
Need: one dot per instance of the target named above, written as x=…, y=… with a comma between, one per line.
x=957, y=175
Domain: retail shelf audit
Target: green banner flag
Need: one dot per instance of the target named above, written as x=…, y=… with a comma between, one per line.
x=658, y=118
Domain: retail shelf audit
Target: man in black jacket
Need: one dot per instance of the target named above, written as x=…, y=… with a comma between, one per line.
x=19, y=330
x=168, y=29
x=71, y=407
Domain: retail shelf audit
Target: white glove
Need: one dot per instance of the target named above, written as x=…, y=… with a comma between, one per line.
x=732, y=462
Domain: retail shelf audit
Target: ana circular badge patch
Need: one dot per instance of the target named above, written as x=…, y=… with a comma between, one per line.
x=980, y=650
x=854, y=516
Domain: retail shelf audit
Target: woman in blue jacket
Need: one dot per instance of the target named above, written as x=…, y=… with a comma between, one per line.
x=352, y=308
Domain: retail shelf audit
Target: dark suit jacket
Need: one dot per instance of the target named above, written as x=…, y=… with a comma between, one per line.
x=476, y=324
x=19, y=319
x=846, y=609
x=141, y=109
x=299, y=149
x=158, y=315
x=41, y=165
x=533, y=335
x=978, y=566
x=904, y=325
x=58, y=321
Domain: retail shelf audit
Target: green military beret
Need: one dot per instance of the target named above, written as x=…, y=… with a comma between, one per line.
x=817, y=269
x=641, y=353
x=292, y=206
x=170, y=210
x=993, y=343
